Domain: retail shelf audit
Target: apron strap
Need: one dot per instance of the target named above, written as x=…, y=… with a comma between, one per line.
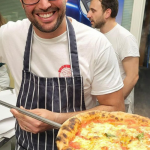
x=71, y=44
x=73, y=49
x=27, y=53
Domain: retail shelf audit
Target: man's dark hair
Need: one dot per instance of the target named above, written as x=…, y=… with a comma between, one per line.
x=112, y=4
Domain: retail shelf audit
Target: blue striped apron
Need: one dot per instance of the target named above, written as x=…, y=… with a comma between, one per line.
x=63, y=94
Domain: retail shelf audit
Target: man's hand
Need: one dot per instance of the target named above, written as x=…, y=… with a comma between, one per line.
x=32, y=125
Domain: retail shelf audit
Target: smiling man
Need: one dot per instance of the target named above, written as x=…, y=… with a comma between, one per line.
x=102, y=15
x=60, y=67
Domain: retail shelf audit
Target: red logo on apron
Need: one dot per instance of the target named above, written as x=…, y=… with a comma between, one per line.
x=65, y=71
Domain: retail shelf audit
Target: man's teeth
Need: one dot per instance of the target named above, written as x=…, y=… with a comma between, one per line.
x=46, y=15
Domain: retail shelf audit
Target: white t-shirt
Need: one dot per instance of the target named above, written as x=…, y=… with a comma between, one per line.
x=97, y=60
x=125, y=45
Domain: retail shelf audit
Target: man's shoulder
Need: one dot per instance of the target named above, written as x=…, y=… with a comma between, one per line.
x=15, y=27
x=127, y=37
x=123, y=32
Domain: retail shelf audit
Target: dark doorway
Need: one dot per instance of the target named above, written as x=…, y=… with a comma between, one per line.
x=145, y=37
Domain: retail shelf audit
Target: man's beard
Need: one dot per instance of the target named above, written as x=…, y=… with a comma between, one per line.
x=57, y=24
x=99, y=24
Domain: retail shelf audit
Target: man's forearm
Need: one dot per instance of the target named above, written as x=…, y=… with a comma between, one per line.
x=129, y=83
x=62, y=117
x=108, y=102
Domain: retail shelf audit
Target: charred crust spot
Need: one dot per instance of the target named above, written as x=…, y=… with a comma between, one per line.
x=72, y=122
x=64, y=142
x=103, y=115
x=66, y=128
x=58, y=138
x=116, y=119
x=64, y=135
x=72, y=125
x=144, y=120
x=92, y=113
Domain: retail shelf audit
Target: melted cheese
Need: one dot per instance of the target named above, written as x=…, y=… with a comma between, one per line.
x=86, y=144
x=136, y=145
x=97, y=136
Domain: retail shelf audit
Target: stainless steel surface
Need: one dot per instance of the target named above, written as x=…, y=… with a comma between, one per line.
x=52, y=123
x=6, y=88
x=8, y=143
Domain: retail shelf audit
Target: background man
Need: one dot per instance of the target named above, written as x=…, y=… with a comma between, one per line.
x=66, y=67
x=102, y=15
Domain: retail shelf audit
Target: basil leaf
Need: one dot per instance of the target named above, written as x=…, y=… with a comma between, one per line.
x=109, y=135
x=140, y=136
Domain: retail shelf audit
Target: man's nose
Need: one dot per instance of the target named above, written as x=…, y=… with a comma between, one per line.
x=44, y=4
x=88, y=14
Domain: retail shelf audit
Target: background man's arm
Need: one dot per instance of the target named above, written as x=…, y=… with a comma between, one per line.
x=131, y=67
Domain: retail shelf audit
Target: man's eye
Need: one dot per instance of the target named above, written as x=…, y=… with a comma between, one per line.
x=92, y=10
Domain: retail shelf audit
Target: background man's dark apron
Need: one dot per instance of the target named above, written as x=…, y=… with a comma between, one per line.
x=63, y=94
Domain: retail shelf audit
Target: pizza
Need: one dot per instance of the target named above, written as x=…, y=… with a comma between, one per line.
x=100, y=130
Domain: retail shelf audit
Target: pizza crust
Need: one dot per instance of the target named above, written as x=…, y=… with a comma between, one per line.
x=67, y=132
x=71, y=126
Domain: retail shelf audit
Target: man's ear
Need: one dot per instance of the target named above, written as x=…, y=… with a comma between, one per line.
x=107, y=13
x=22, y=4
